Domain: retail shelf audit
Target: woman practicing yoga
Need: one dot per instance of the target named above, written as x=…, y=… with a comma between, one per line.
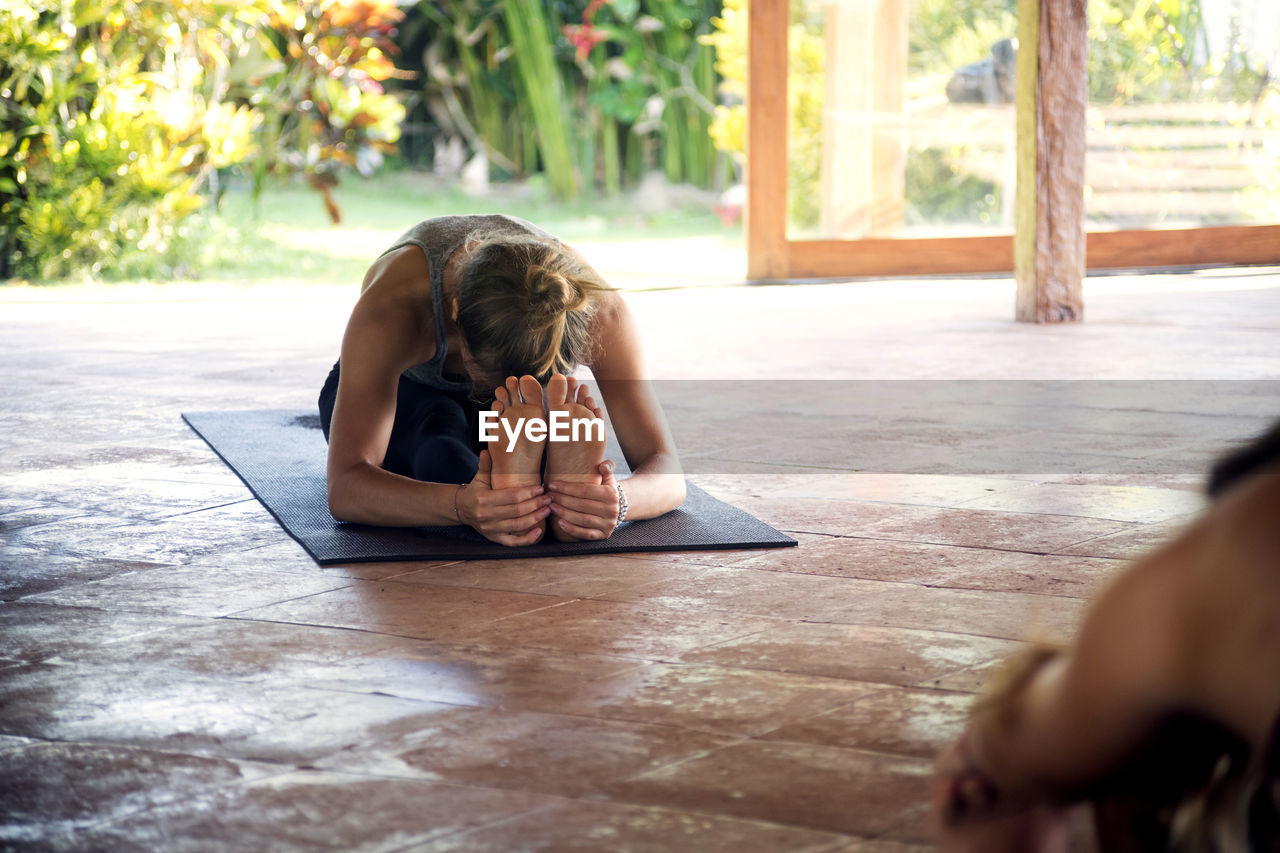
x=464, y=310
x=1165, y=713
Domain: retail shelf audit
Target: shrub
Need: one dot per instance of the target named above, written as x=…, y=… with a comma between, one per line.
x=116, y=115
x=101, y=145
x=588, y=93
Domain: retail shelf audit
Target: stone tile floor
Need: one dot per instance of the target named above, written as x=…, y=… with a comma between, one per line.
x=175, y=673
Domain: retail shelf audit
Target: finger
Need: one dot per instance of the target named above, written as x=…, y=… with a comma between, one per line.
x=606, y=469
x=484, y=468
x=529, y=507
x=492, y=507
x=584, y=519
x=515, y=517
x=508, y=498
x=514, y=539
x=500, y=523
x=587, y=491
x=603, y=508
x=522, y=522
x=583, y=532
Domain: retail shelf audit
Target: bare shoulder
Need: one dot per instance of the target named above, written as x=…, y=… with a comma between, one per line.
x=1233, y=564
x=1197, y=619
x=393, y=315
x=610, y=310
x=401, y=267
x=614, y=334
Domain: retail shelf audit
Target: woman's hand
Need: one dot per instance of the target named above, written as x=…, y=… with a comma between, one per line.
x=586, y=511
x=505, y=516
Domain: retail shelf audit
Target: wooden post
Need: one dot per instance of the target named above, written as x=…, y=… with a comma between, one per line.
x=1049, y=247
x=767, y=114
x=863, y=149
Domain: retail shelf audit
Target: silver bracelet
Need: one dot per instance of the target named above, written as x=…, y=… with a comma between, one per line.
x=622, y=505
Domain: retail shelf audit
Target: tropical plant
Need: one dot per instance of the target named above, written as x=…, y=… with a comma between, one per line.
x=592, y=93
x=116, y=116
x=106, y=129
x=316, y=76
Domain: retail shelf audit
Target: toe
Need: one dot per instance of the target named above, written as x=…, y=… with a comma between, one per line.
x=530, y=390
x=557, y=390
x=513, y=389
x=500, y=399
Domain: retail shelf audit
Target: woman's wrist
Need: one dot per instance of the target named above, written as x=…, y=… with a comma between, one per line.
x=622, y=505
x=649, y=494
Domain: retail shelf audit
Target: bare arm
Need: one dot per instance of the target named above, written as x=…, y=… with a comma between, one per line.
x=585, y=511
x=381, y=341
x=657, y=482
x=383, y=338
x=1080, y=714
x=1190, y=627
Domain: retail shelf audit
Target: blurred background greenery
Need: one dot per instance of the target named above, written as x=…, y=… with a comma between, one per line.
x=142, y=139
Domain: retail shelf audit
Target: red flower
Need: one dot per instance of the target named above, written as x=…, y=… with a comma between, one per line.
x=586, y=36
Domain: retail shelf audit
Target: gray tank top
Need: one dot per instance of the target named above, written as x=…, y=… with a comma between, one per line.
x=438, y=238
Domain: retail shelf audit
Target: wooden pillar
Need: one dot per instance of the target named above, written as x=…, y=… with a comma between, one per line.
x=766, y=215
x=863, y=150
x=1049, y=246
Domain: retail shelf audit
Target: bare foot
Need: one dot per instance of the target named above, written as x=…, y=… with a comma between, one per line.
x=519, y=462
x=573, y=461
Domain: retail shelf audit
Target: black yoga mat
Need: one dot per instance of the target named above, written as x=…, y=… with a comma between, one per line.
x=280, y=455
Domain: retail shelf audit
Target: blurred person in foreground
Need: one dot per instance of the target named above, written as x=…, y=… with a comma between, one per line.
x=1164, y=714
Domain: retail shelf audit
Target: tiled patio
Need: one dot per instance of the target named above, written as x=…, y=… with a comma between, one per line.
x=176, y=673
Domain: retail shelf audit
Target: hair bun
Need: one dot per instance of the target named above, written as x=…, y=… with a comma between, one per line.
x=554, y=294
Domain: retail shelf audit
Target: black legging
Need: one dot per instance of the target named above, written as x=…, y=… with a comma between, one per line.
x=435, y=436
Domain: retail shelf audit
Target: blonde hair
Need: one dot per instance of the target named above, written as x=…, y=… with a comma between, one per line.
x=525, y=305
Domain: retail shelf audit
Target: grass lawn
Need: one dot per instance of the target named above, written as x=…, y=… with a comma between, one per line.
x=632, y=239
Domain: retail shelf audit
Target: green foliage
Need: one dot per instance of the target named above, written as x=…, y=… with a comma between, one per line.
x=592, y=93
x=115, y=115
x=542, y=87
x=101, y=146
x=315, y=73
x=1140, y=50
